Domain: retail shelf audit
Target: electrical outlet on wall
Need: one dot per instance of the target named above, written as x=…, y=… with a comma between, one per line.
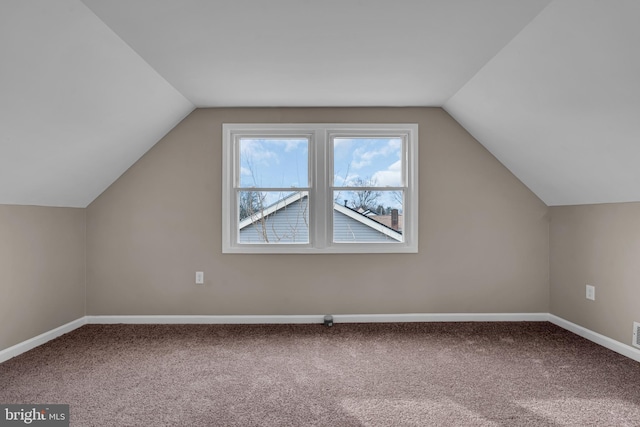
x=636, y=334
x=199, y=277
x=591, y=292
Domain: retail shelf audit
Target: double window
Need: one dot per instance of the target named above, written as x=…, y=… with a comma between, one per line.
x=320, y=188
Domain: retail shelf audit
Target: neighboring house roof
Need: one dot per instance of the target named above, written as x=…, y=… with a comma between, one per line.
x=368, y=220
x=386, y=220
x=284, y=216
x=282, y=203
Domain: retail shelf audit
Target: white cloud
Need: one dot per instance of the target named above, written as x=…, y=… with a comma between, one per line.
x=339, y=143
x=340, y=181
x=395, y=144
x=293, y=144
x=391, y=177
x=253, y=151
x=267, y=151
x=397, y=166
x=363, y=157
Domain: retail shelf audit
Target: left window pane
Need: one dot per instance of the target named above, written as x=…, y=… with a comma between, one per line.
x=274, y=163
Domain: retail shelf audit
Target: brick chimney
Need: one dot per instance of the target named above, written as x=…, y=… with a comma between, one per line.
x=394, y=219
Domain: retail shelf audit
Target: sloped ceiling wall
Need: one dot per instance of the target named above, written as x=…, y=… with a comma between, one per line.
x=549, y=87
x=77, y=107
x=560, y=104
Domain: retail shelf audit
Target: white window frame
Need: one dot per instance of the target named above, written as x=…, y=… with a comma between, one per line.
x=320, y=188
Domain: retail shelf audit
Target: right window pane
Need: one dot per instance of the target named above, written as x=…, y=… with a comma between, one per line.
x=368, y=189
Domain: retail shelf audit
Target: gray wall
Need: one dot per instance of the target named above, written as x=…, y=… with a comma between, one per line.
x=42, y=270
x=484, y=238
x=597, y=245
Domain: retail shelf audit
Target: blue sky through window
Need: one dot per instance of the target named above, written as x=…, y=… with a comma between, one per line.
x=375, y=161
x=274, y=162
x=284, y=163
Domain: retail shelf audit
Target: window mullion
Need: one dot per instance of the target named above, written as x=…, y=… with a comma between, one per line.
x=319, y=190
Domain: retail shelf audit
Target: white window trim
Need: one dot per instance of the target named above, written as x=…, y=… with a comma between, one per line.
x=320, y=198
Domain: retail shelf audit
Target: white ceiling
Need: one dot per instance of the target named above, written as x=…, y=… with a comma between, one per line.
x=549, y=87
x=316, y=53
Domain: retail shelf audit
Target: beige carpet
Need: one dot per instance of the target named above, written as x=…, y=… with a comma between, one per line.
x=411, y=374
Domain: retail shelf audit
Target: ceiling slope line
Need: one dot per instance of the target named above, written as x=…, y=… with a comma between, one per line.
x=141, y=57
x=534, y=18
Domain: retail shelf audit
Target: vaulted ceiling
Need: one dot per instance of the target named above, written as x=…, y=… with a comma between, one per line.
x=550, y=87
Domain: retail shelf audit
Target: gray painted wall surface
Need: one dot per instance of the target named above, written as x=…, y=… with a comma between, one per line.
x=484, y=238
x=597, y=245
x=42, y=270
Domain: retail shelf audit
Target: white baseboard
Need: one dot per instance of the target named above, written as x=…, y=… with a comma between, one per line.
x=205, y=320
x=440, y=317
x=34, y=342
x=611, y=344
x=319, y=318
x=595, y=337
